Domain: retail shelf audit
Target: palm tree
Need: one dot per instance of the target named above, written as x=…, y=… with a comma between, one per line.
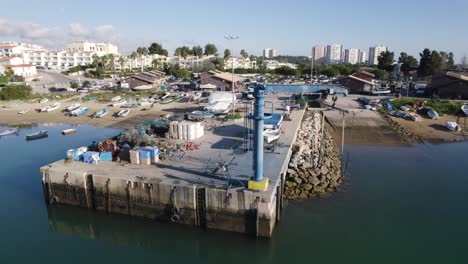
x=133, y=56
x=121, y=63
x=112, y=61
x=155, y=63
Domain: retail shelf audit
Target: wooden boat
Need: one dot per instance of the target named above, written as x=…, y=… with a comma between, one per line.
x=116, y=99
x=271, y=135
x=43, y=101
x=120, y=102
x=433, y=114
x=123, y=113
x=414, y=117
x=53, y=107
x=73, y=107
x=9, y=131
x=452, y=126
x=69, y=131
x=80, y=111
x=24, y=111
x=101, y=113
x=464, y=108
x=37, y=135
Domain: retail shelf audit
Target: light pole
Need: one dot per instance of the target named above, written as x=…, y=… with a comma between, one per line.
x=312, y=66
x=231, y=39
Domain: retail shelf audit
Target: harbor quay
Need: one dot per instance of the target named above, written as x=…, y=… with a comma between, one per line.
x=206, y=187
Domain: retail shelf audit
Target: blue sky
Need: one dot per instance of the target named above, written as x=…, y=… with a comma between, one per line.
x=292, y=27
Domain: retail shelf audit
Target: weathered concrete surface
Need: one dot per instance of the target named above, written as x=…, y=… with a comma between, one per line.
x=180, y=190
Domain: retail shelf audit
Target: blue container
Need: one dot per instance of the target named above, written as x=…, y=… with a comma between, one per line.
x=88, y=156
x=144, y=154
x=106, y=156
x=142, y=131
x=154, y=151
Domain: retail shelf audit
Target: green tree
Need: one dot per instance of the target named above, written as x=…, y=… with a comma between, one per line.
x=385, y=61
x=121, y=63
x=407, y=62
x=9, y=72
x=156, y=48
x=74, y=85
x=218, y=63
x=142, y=51
x=227, y=54
x=15, y=92
x=380, y=74
x=424, y=68
x=87, y=84
x=287, y=71
x=244, y=54
x=210, y=49
x=447, y=60
x=155, y=63
x=197, y=51
x=183, y=51
x=437, y=63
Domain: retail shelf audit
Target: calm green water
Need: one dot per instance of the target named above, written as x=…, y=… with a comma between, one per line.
x=401, y=205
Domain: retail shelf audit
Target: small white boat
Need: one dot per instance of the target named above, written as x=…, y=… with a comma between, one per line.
x=145, y=103
x=116, y=99
x=44, y=100
x=165, y=95
x=196, y=96
x=101, y=113
x=53, y=107
x=69, y=131
x=404, y=108
x=433, y=114
x=73, y=107
x=368, y=107
x=123, y=113
x=452, y=126
x=24, y=111
x=120, y=102
x=271, y=135
x=414, y=117
x=464, y=108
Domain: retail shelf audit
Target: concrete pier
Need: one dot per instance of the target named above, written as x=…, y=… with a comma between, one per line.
x=181, y=189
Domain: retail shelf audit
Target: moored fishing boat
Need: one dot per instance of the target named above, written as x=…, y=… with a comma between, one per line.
x=73, y=107
x=53, y=107
x=101, y=113
x=464, y=108
x=433, y=114
x=167, y=100
x=37, y=135
x=116, y=99
x=123, y=113
x=69, y=131
x=9, y=131
x=131, y=106
x=271, y=135
x=24, y=111
x=44, y=100
x=414, y=117
x=452, y=126
x=80, y=111
x=120, y=102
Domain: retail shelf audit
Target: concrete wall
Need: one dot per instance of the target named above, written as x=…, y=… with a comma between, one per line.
x=242, y=211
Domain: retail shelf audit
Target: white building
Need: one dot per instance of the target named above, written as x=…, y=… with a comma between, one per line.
x=351, y=56
x=374, y=53
x=334, y=54
x=12, y=48
x=269, y=53
x=362, y=57
x=18, y=66
x=242, y=63
x=319, y=54
x=58, y=60
x=99, y=48
x=273, y=64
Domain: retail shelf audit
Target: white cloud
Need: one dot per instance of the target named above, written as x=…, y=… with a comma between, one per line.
x=55, y=37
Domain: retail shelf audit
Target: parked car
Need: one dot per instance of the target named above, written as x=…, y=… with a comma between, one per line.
x=83, y=90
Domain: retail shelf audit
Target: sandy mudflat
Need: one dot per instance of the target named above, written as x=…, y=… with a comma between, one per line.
x=435, y=130
x=9, y=114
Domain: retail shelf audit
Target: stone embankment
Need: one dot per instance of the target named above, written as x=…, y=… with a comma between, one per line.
x=405, y=134
x=315, y=165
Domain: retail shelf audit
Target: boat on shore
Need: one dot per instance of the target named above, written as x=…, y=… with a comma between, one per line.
x=414, y=117
x=167, y=100
x=53, y=107
x=116, y=99
x=123, y=113
x=120, y=102
x=452, y=126
x=271, y=135
x=464, y=108
x=73, y=107
x=37, y=135
x=24, y=111
x=9, y=131
x=404, y=108
x=101, y=113
x=43, y=101
x=131, y=106
x=80, y=111
x=433, y=114
x=69, y=131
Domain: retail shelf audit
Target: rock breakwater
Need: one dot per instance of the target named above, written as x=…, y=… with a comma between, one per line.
x=315, y=165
